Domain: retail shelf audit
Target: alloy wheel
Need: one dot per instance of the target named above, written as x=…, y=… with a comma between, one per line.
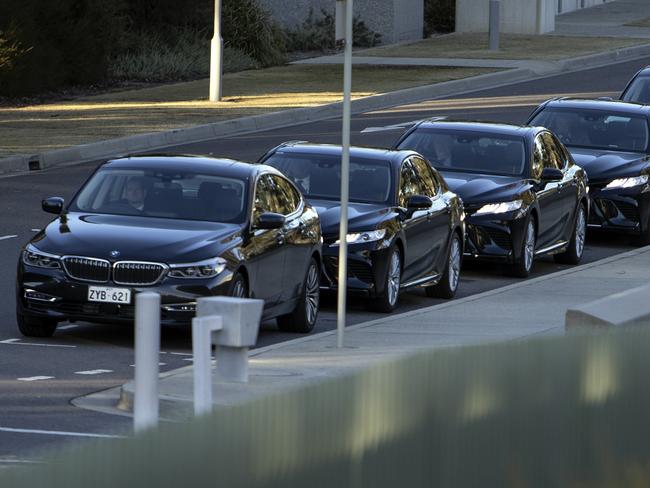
x=581, y=231
x=312, y=293
x=239, y=289
x=529, y=246
x=454, y=263
x=394, y=276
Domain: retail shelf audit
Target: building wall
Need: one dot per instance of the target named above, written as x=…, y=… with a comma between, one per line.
x=517, y=16
x=395, y=20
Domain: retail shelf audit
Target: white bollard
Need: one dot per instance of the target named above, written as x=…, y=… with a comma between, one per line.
x=147, y=353
x=202, y=329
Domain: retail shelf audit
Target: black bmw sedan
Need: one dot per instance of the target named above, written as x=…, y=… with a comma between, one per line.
x=524, y=197
x=638, y=88
x=182, y=226
x=405, y=226
x=611, y=141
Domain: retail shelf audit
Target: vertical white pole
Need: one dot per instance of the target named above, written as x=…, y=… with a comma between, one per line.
x=216, y=55
x=147, y=353
x=345, y=176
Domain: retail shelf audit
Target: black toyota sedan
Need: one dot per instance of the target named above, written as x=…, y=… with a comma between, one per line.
x=405, y=226
x=638, y=88
x=182, y=226
x=524, y=197
x=611, y=141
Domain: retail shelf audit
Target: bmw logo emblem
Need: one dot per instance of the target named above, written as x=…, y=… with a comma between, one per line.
x=115, y=254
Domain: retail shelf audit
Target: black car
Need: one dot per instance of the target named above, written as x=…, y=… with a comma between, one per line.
x=405, y=226
x=611, y=141
x=184, y=227
x=524, y=196
x=638, y=88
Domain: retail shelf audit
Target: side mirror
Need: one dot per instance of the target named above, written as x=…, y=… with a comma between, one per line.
x=418, y=202
x=551, y=174
x=269, y=220
x=53, y=205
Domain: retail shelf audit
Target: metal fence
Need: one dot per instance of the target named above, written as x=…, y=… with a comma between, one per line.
x=566, y=411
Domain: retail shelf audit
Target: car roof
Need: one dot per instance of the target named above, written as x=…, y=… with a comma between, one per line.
x=598, y=104
x=491, y=127
x=194, y=163
x=395, y=156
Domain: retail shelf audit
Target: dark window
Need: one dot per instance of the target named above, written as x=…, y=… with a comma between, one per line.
x=556, y=157
x=639, y=90
x=287, y=195
x=428, y=184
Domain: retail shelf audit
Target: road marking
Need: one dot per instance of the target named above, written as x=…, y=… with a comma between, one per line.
x=94, y=371
x=36, y=378
x=181, y=353
x=36, y=230
x=401, y=126
x=15, y=342
x=66, y=327
x=7, y=237
x=58, y=432
x=159, y=364
x=19, y=461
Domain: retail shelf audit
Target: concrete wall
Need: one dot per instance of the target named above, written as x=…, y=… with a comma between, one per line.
x=517, y=16
x=395, y=20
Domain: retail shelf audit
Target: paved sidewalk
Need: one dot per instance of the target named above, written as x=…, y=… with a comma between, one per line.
x=528, y=309
x=613, y=19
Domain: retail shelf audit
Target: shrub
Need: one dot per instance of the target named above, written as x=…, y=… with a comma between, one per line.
x=439, y=16
x=157, y=59
x=317, y=34
x=65, y=42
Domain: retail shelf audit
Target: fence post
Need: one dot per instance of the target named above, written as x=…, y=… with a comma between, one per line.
x=147, y=354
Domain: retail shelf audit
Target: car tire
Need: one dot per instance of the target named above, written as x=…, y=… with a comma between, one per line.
x=448, y=284
x=238, y=286
x=574, y=251
x=36, y=326
x=524, y=264
x=303, y=318
x=386, y=302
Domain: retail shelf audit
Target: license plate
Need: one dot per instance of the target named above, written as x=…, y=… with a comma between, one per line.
x=107, y=294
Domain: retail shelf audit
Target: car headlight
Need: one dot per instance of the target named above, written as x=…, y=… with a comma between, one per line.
x=627, y=182
x=497, y=208
x=40, y=259
x=203, y=269
x=361, y=237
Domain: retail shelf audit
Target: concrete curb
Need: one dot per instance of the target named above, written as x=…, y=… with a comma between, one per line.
x=126, y=390
x=159, y=140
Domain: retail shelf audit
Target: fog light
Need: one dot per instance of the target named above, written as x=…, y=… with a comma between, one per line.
x=40, y=297
x=180, y=307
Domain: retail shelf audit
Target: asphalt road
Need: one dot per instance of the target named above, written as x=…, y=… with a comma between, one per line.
x=40, y=377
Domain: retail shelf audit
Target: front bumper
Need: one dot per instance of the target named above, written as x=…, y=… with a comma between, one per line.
x=495, y=237
x=50, y=293
x=624, y=210
x=367, y=265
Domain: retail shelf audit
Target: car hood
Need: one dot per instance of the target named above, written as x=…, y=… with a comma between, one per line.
x=135, y=238
x=361, y=216
x=478, y=189
x=606, y=165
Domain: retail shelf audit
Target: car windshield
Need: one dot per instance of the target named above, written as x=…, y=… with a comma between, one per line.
x=469, y=151
x=319, y=176
x=596, y=129
x=639, y=91
x=165, y=194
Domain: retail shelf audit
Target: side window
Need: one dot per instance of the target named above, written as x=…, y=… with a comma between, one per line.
x=288, y=196
x=264, y=198
x=428, y=183
x=409, y=184
x=555, y=155
x=540, y=157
